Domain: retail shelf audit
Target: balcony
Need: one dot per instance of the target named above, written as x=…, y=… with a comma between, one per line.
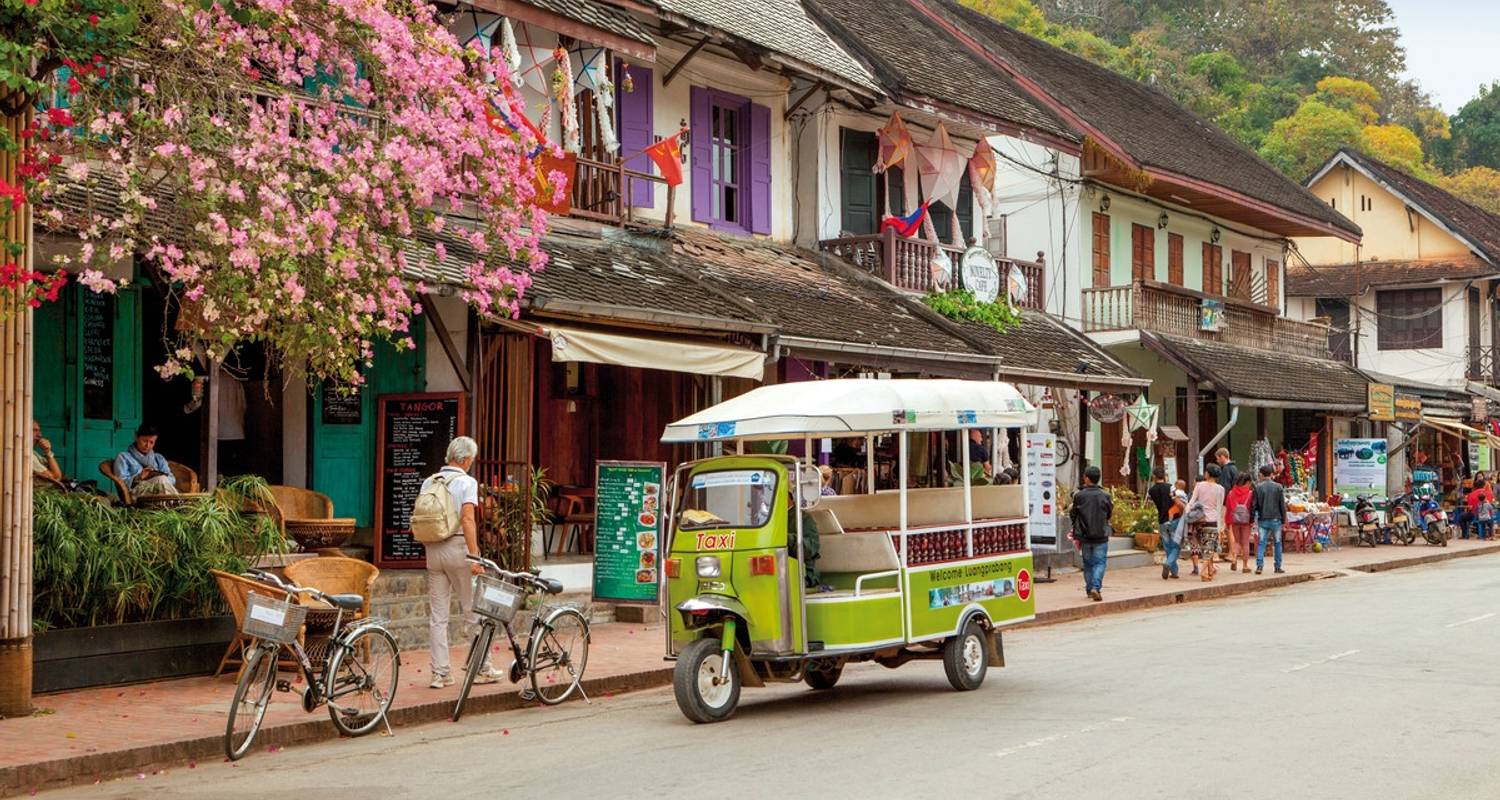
x=906, y=263
x=599, y=190
x=1483, y=366
x=1174, y=310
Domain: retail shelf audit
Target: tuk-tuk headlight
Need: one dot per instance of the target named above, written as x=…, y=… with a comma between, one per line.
x=708, y=567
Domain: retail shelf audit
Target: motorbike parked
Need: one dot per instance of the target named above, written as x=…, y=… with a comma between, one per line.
x=1433, y=522
x=1401, y=528
x=1366, y=521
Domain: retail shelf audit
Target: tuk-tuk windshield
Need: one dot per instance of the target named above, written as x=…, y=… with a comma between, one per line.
x=735, y=498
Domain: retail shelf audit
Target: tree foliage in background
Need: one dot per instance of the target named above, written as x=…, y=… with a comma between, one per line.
x=1478, y=185
x=1475, y=129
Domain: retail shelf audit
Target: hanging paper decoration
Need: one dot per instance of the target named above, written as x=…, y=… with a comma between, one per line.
x=940, y=167
x=1141, y=415
x=627, y=81
x=562, y=95
x=476, y=27
x=533, y=61
x=511, y=53
x=591, y=69
x=604, y=103
x=907, y=226
x=503, y=117
x=895, y=144
x=982, y=172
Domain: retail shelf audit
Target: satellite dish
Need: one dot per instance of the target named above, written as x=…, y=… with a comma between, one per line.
x=942, y=269
x=980, y=274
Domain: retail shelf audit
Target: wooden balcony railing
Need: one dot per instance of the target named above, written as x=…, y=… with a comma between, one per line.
x=601, y=189
x=1483, y=364
x=907, y=263
x=1164, y=308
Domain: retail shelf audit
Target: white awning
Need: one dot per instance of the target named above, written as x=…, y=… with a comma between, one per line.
x=575, y=344
x=864, y=405
x=1457, y=428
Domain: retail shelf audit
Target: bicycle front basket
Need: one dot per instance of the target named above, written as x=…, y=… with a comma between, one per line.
x=272, y=619
x=497, y=599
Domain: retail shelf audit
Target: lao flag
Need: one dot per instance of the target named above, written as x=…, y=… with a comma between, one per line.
x=907, y=226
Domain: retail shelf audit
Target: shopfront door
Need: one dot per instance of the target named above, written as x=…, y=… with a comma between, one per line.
x=343, y=430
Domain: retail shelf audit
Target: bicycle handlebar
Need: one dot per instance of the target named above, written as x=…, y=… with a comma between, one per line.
x=523, y=577
x=285, y=585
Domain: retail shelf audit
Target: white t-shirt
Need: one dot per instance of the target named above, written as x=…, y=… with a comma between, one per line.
x=462, y=488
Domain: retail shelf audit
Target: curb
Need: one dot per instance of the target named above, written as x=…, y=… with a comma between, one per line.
x=57, y=773
x=315, y=728
x=1215, y=592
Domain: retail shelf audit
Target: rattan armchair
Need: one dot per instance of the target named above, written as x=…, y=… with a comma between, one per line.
x=235, y=588
x=332, y=575
x=107, y=469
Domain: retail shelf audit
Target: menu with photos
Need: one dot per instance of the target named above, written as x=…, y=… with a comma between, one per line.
x=629, y=503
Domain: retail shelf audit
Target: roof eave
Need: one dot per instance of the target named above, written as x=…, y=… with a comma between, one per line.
x=1327, y=228
x=524, y=12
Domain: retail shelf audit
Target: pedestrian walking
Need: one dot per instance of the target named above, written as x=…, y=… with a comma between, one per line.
x=1229, y=477
x=1205, y=517
x=1092, y=507
x=445, y=520
x=1237, y=517
x=1481, y=505
x=1160, y=494
x=1269, y=508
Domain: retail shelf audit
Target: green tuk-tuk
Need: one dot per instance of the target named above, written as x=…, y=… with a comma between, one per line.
x=911, y=573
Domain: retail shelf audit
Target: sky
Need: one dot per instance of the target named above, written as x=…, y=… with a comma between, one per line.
x=1450, y=46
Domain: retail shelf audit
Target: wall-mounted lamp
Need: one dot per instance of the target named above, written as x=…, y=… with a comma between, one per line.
x=1214, y=236
x=686, y=140
x=1104, y=204
x=1161, y=221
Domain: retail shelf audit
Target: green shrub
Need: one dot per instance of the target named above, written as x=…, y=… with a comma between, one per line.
x=95, y=564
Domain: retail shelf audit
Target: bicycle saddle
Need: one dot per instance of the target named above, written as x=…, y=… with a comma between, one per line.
x=550, y=585
x=348, y=602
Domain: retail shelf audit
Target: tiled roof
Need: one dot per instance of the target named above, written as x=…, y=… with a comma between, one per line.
x=1470, y=221
x=1146, y=123
x=1265, y=375
x=911, y=55
x=598, y=15
x=1352, y=280
x=781, y=26
x=1044, y=344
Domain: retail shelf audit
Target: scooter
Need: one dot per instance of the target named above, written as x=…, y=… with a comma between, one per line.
x=1366, y=521
x=1401, y=529
x=1433, y=521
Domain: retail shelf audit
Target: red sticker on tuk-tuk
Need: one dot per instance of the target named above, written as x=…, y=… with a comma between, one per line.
x=1023, y=585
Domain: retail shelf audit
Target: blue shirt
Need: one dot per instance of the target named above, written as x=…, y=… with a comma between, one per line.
x=133, y=462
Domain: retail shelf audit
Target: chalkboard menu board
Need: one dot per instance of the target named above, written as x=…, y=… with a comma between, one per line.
x=342, y=407
x=98, y=356
x=414, y=432
x=628, y=500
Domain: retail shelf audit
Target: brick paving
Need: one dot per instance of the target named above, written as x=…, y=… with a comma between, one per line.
x=89, y=734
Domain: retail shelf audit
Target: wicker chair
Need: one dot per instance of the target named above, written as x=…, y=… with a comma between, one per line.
x=185, y=477
x=307, y=516
x=235, y=589
x=107, y=469
x=296, y=503
x=332, y=575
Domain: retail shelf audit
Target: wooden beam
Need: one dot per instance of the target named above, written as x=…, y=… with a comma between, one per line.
x=429, y=309
x=796, y=104
x=682, y=62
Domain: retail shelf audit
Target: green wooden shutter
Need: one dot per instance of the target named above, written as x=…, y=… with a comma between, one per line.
x=858, y=150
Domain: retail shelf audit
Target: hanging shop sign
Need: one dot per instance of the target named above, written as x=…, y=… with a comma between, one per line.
x=1479, y=409
x=1359, y=467
x=980, y=274
x=1211, y=315
x=1408, y=408
x=1382, y=402
x=1107, y=408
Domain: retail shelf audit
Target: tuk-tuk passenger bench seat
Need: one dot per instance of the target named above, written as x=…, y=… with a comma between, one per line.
x=863, y=556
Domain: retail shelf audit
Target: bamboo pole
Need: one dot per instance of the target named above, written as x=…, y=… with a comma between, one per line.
x=15, y=479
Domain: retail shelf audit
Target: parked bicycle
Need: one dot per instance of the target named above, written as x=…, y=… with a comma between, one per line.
x=557, y=646
x=360, y=664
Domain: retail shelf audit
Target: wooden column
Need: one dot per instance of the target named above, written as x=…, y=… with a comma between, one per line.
x=1195, y=438
x=1083, y=433
x=15, y=491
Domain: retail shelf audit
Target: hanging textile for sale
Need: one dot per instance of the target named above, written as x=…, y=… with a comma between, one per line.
x=1261, y=453
x=982, y=172
x=895, y=143
x=940, y=167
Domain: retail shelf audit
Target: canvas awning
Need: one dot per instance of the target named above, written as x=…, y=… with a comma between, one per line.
x=1456, y=428
x=598, y=347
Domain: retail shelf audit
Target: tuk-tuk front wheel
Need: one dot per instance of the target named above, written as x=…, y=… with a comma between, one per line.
x=965, y=658
x=705, y=681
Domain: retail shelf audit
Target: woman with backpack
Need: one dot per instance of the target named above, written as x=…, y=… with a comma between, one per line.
x=1237, y=517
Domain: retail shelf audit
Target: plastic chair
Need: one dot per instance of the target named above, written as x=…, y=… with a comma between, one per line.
x=336, y=575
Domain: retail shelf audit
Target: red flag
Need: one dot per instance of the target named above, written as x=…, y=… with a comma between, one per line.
x=667, y=154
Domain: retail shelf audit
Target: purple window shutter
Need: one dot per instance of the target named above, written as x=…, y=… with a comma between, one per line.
x=636, y=132
x=760, y=169
x=702, y=156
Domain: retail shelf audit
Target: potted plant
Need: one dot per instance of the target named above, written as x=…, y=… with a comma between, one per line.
x=509, y=515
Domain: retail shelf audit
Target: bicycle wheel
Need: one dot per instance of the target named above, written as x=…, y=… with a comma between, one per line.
x=558, y=653
x=361, y=680
x=473, y=664
x=251, y=698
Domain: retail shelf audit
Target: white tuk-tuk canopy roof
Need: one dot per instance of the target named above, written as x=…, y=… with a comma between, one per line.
x=863, y=405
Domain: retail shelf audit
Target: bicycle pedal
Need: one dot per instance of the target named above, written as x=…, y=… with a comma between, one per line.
x=283, y=686
x=527, y=694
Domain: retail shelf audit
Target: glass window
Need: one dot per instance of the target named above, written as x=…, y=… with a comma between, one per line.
x=1409, y=319
x=736, y=498
x=727, y=118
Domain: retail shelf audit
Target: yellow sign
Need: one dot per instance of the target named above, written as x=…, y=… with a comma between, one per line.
x=1382, y=402
x=1408, y=408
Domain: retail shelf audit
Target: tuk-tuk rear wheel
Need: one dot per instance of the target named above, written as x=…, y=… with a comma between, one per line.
x=823, y=678
x=965, y=658
x=705, y=682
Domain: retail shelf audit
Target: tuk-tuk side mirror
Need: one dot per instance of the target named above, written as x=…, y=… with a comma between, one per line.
x=809, y=486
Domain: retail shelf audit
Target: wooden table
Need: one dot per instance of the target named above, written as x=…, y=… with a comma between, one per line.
x=169, y=500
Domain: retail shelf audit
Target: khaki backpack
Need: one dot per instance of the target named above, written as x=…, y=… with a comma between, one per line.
x=432, y=516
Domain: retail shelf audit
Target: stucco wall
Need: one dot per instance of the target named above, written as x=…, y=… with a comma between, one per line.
x=1390, y=233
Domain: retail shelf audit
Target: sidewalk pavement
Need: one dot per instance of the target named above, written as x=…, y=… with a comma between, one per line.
x=93, y=734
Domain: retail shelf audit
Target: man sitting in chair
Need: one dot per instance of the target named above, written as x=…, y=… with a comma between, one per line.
x=142, y=468
x=43, y=463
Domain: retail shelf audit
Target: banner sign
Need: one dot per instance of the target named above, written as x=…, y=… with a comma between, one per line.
x=1041, y=490
x=1382, y=402
x=1359, y=467
x=629, y=502
x=1408, y=408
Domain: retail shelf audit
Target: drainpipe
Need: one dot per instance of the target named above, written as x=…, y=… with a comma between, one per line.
x=1234, y=416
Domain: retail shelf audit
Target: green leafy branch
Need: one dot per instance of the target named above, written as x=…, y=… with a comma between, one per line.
x=960, y=305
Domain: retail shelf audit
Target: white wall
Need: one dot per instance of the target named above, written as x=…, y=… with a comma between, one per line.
x=1042, y=215
x=440, y=374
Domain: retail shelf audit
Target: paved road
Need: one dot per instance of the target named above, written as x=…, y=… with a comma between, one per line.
x=1362, y=686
